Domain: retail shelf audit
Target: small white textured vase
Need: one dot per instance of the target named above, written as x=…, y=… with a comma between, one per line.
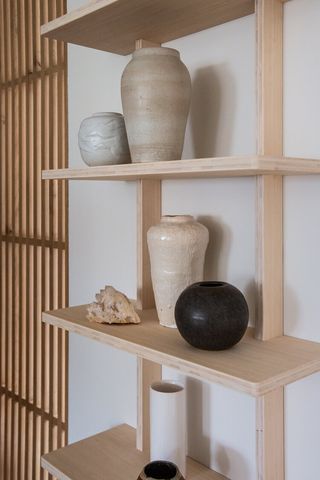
x=156, y=92
x=103, y=139
x=168, y=436
x=177, y=248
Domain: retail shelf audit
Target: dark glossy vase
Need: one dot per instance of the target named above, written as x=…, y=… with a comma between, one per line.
x=161, y=470
x=212, y=315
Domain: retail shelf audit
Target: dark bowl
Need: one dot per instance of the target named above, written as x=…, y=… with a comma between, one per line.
x=212, y=315
x=160, y=470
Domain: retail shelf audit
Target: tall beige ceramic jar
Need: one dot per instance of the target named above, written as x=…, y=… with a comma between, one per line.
x=177, y=249
x=156, y=92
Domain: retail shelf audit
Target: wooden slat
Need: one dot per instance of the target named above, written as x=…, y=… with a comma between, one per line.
x=148, y=214
x=269, y=315
x=269, y=189
x=148, y=372
x=115, y=25
x=30, y=421
x=270, y=435
x=141, y=43
x=269, y=324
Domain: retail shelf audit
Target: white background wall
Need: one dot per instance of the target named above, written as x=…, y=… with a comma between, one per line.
x=103, y=234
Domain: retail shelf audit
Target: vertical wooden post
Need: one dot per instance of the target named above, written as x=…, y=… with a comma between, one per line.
x=148, y=213
x=269, y=14
x=269, y=323
x=270, y=436
x=148, y=372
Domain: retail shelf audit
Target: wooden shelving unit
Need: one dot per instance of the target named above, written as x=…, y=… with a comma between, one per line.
x=115, y=25
x=195, y=168
x=266, y=360
x=110, y=455
x=252, y=366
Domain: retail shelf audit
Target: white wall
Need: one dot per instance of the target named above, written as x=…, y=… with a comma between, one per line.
x=302, y=229
x=103, y=234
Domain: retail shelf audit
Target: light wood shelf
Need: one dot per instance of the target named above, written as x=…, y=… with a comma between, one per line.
x=110, y=455
x=252, y=366
x=194, y=168
x=115, y=25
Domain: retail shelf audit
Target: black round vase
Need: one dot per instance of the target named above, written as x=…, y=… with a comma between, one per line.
x=212, y=315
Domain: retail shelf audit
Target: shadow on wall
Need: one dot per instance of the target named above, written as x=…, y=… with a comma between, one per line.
x=217, y=257
x=291, y=309
x=226, y=456
x=213, y=92
x=198, y=415
x=203, y=448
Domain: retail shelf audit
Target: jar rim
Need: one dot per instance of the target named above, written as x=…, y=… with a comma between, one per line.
x=167, y=387
x=106, y=114
x=177, y=218
x=155, y=51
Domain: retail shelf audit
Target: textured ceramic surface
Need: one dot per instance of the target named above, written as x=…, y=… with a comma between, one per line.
x=177, y=249
x=212, y=315
x=160, y=470
x=156, y=92
x=103, y=139
x=168, y=435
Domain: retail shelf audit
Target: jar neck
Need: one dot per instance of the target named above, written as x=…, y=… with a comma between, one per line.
x=177, y=218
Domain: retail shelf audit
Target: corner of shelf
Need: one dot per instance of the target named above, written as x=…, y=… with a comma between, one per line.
x=254, y=367
x=105, y=451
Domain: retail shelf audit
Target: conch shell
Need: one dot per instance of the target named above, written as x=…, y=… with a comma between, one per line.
x=112, y=306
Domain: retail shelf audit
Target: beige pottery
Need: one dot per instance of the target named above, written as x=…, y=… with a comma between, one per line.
x=156, y=92
x=177, y=249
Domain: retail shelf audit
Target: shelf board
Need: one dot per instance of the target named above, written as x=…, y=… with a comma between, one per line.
x=115, y=25
x=252, y=366
x=109, y=455
x=195, y=168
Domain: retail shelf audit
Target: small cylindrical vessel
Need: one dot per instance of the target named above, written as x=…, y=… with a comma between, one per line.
x=103, y=139
x=168, y=436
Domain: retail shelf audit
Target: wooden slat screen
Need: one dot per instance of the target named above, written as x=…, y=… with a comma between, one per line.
x=33, y=260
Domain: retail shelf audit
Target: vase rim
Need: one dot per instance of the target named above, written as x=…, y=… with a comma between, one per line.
x=106, y=114
x=177, y=218
x=155, y=51
x=160, y=469
x=211, y=283
x=167, y=387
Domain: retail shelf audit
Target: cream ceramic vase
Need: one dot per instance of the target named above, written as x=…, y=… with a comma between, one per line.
x=177, y=249
x=156, y=92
